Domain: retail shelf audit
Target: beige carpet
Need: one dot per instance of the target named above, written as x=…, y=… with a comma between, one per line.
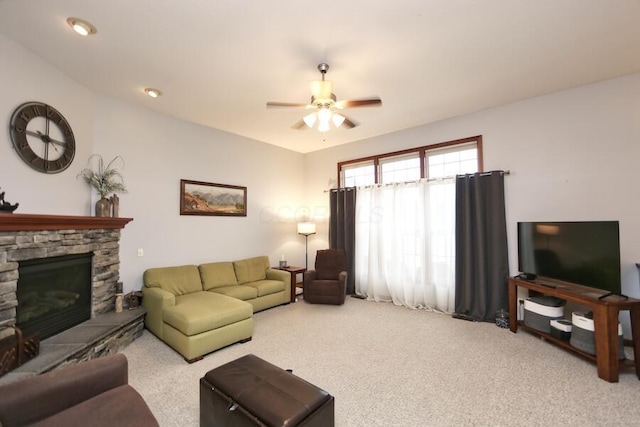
x=392, y=366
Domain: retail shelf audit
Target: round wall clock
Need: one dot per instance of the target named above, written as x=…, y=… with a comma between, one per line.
x=42, y=137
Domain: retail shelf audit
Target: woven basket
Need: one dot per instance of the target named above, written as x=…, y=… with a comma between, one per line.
x=16, y=350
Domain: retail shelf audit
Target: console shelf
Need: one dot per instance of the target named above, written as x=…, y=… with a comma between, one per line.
x=624, y=363
x=605, y=315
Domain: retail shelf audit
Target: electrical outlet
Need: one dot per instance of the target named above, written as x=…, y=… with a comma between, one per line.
x=140, y=252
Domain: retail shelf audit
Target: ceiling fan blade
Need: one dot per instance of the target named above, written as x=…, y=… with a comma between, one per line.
x=349, y=124
x=370, y=102
x=300, y=124
x=285, y=104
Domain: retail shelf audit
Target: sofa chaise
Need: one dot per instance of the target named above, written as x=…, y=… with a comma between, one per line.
x=200, y=309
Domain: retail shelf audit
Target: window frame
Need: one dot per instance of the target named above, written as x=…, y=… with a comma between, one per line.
x=421, y=154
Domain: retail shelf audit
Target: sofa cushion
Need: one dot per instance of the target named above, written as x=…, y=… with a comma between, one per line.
x=217, y=274
x=179, y=280
x=204, y=311
x=267, y=287
x=252, y=269
x=243, y=292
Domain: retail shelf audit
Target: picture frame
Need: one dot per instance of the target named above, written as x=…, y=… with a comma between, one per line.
x=210, y=199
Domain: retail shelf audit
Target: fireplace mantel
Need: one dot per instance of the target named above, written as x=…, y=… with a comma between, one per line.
x=30, y=222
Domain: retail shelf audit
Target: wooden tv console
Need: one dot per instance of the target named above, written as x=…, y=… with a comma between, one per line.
x=605, y=318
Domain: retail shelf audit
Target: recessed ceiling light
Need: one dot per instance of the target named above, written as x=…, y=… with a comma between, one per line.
x=81, y=26
x=154, y=93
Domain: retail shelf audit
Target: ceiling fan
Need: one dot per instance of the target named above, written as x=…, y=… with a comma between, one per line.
x=325, y=106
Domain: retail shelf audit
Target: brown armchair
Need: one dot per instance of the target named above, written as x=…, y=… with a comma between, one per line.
x=327, y=284
x=96, y=393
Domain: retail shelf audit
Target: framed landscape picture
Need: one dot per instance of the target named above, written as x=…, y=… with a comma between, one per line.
x=205, y=198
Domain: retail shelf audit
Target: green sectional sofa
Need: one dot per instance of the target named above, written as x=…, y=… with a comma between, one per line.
x=200, y=309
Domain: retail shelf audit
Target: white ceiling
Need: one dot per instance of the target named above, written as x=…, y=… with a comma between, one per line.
x=219, y=61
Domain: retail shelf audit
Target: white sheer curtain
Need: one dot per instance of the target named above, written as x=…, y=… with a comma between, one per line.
x=405, y=244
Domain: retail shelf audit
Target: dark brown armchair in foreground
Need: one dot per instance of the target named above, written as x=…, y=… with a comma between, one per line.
x=327, y=284
x=92, y=393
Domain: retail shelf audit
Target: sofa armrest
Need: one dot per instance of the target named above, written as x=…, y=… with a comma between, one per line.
x=35, y=398
x=155, y=300
x=284, y=276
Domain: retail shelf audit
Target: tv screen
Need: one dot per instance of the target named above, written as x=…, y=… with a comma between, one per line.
x=586, y=253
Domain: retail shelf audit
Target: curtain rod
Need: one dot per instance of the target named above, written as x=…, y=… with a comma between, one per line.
x=507, y=172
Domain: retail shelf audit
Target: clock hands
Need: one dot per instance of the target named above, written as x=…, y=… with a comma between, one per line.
x=45, y=138
x=46, y=156
x=48, y=141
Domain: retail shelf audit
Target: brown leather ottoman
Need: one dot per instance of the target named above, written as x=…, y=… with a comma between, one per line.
x=250, y=391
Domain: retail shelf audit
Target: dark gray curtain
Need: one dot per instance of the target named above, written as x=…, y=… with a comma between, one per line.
x=342, y=227
x=482, y=262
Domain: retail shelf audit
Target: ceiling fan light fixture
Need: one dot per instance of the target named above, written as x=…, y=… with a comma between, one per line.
x=337, y=119
x=325, y=105
x=324, y=115
x=323, y=126
x=82, y=27
x=310, y=119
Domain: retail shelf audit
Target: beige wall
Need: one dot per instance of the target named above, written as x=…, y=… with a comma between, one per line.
x=573, y=156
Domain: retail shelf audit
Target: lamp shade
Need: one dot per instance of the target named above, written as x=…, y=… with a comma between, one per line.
x=306, y=228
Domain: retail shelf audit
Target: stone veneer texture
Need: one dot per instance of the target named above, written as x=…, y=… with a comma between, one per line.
x=18, y=246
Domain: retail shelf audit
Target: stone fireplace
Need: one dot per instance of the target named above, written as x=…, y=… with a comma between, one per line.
x=25, y=238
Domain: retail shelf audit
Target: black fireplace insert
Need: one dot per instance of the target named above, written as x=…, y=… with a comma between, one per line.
x=54, y=293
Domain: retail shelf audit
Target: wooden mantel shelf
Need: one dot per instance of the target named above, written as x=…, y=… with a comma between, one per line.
x=31, y=222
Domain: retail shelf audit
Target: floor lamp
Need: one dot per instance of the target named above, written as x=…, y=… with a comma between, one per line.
x=306, y=229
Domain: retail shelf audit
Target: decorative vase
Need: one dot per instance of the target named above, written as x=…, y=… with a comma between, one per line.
x=103, y=207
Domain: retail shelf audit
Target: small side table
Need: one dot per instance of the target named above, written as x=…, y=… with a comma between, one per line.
x=294, y=271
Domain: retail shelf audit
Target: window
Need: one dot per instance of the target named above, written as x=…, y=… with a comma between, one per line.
x=355, y=175
x=400, y=168
x=450, y=161
x=446, y=159
x=405, y=233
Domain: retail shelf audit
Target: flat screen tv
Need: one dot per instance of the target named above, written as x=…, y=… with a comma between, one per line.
x=585, y=252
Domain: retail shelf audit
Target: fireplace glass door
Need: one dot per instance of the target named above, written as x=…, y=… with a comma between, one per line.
x=54, y=294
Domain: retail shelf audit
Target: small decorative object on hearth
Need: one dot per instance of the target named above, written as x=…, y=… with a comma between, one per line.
x=16, y=350
x=105, y=180
x=133, y=299
x=119, y=297
x=6, y=206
